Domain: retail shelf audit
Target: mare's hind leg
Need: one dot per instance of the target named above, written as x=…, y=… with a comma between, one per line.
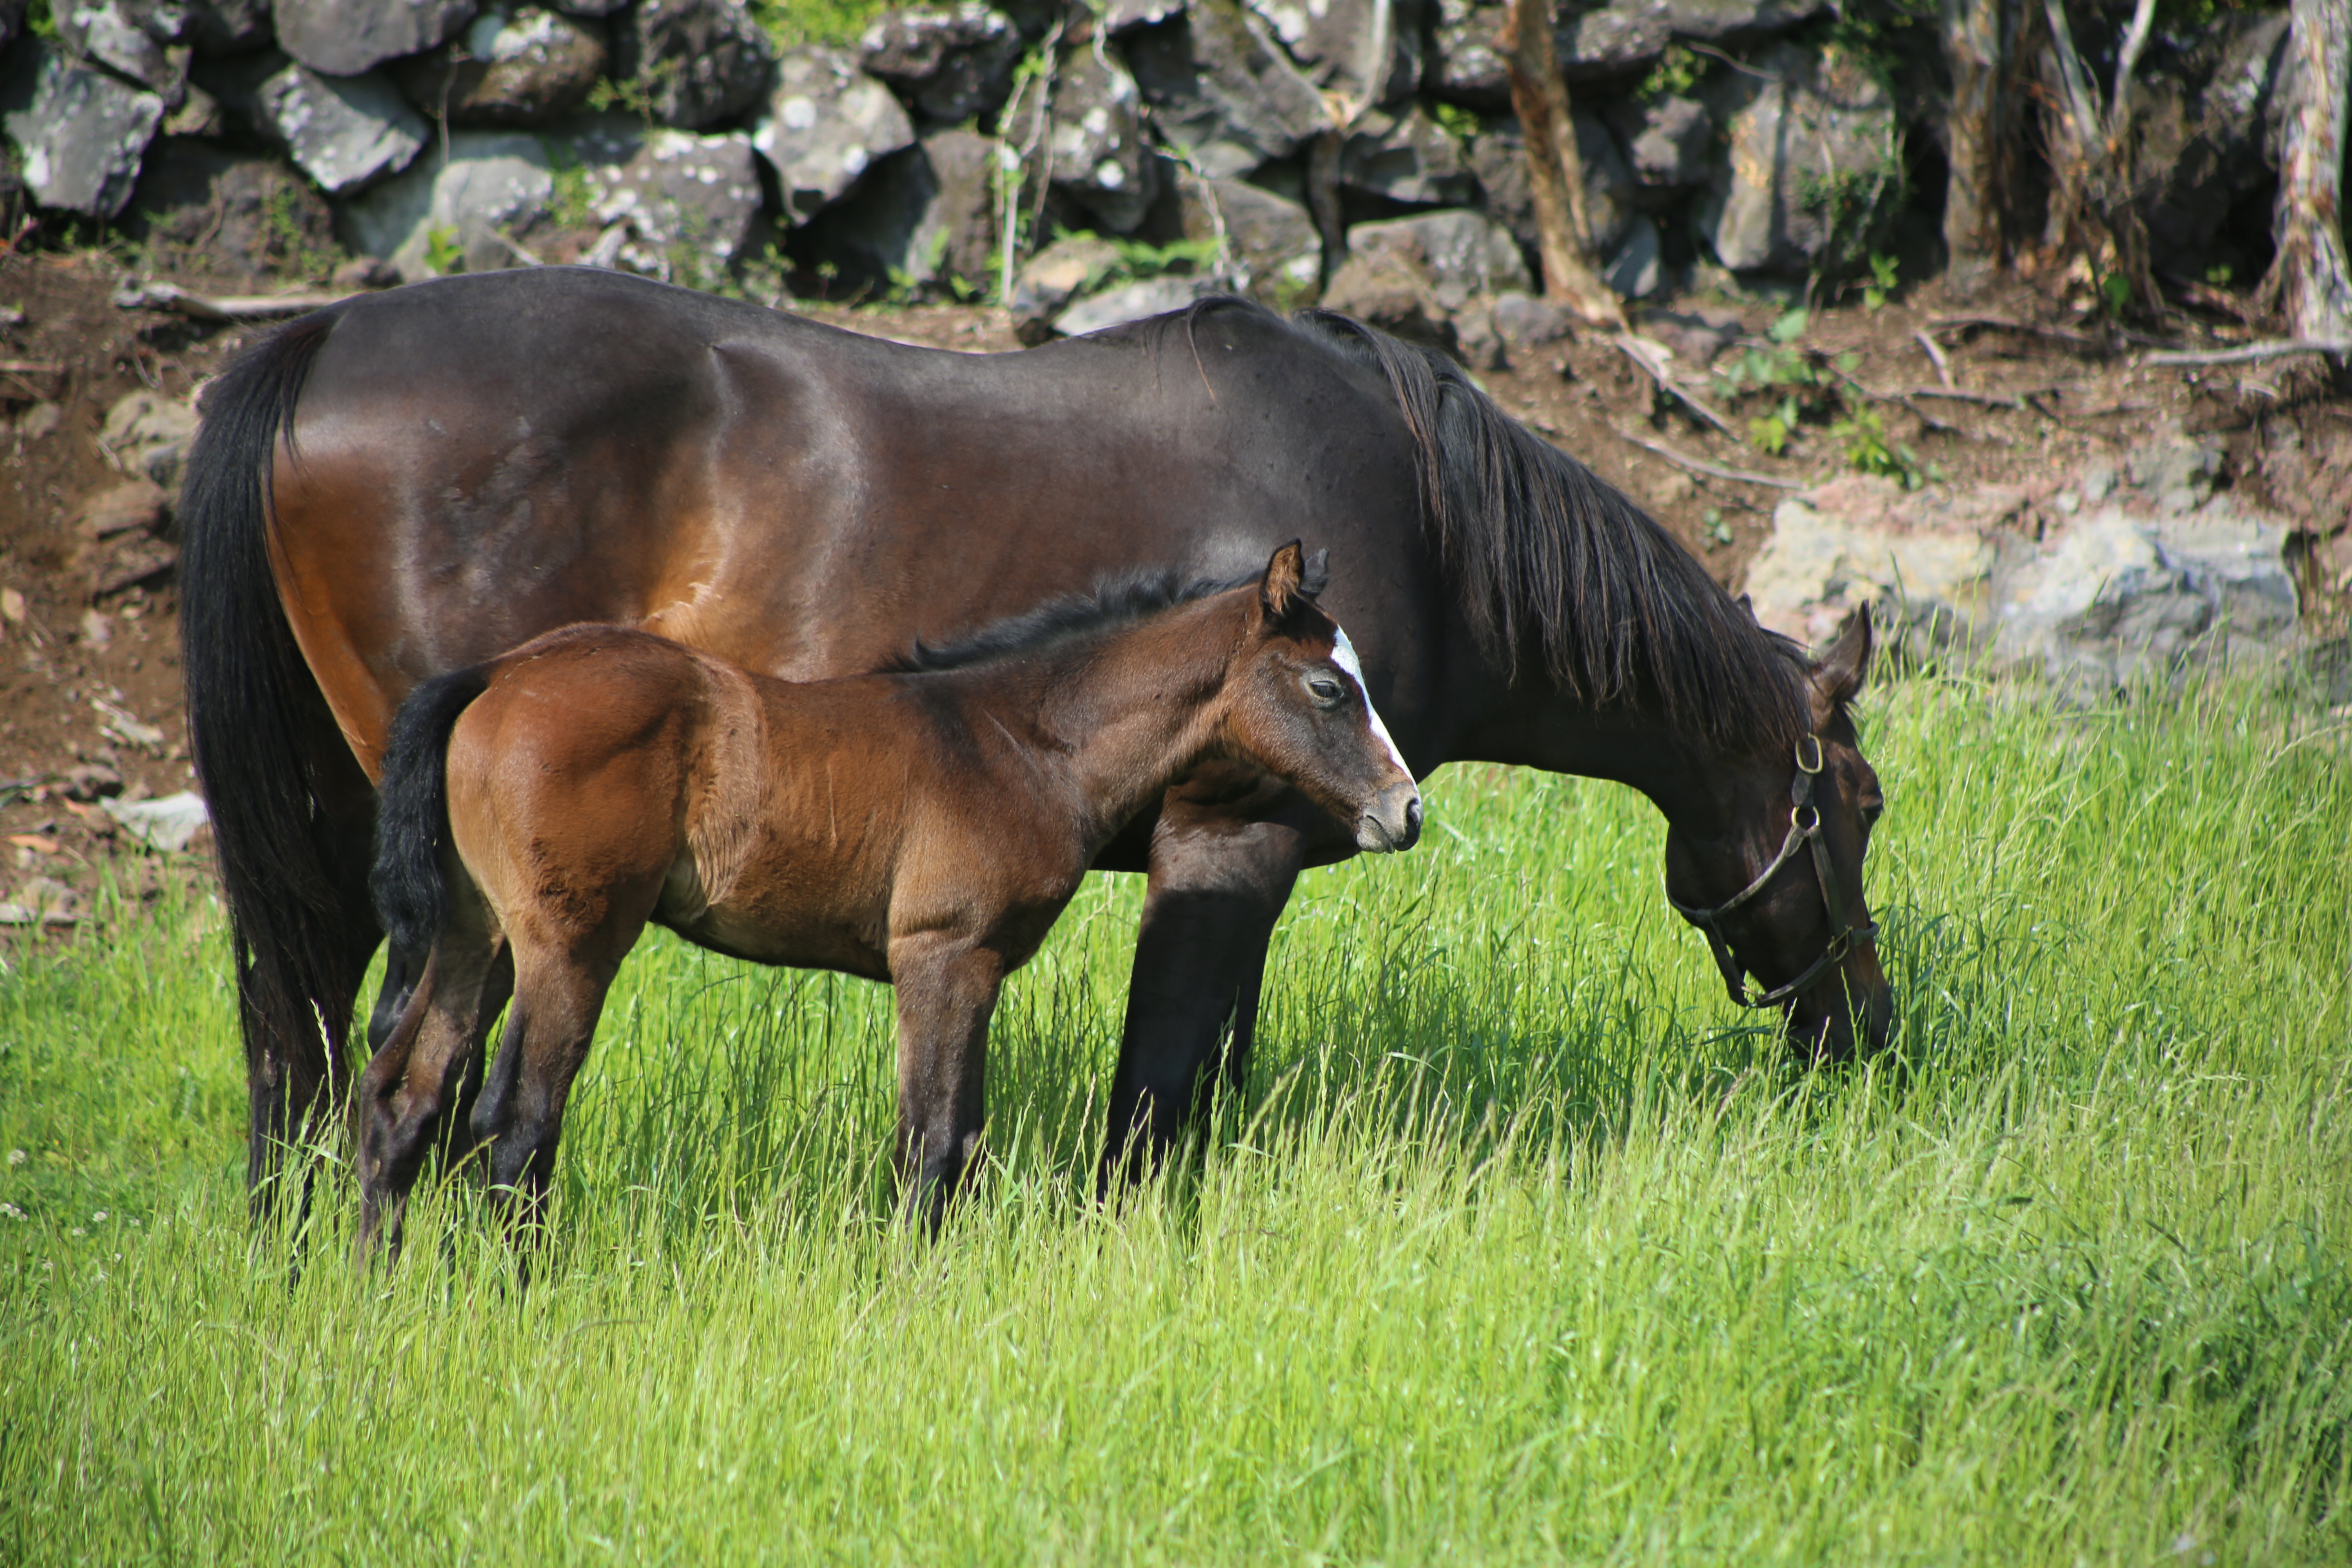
x=947, y=993
x=409, y=1086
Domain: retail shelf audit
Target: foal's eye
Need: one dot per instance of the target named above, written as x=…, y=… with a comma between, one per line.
x=1325, y=692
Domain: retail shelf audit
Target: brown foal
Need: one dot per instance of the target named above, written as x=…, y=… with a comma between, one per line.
x=923, y=827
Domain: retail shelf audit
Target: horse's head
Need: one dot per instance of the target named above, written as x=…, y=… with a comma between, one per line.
x=1779, y=893
x=1298, y=708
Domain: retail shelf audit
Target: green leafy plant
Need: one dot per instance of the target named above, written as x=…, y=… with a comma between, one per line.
x=1455, y=119
x=1868, y=450
x=572, y=202
x=444, y=253
x=1779, y=369
x=1678, y=70
x=1882, y=280
x=1717, y=532
x=283, y=231
x=2219, y=275
x=791, y=22
x=2114, y=294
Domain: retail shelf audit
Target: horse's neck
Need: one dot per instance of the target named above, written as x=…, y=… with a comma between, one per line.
x=1118, y=717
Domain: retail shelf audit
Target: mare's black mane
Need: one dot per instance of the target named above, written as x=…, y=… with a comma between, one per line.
x=1555, y=566
x=1115, y=601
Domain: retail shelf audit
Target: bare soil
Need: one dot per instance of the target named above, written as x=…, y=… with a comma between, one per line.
x=2042, y=401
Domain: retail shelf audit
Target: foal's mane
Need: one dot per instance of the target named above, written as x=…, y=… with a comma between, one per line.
x=1115, y=601
x=1553, y=563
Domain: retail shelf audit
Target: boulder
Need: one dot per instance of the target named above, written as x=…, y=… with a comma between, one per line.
x=2205, y=142
x=136, y=39
x=520, y=65
x=923, y=220
x=226, y=26
x=953, y=64
x=493, y=186
x=1367, y=51
x=1056, y=275
x=1637, y=268
x=1392, y=289
x=826, y=122
x=1220, y=90
x=674, y=206
x=198, y=204
x=81, y=131
x=1604, y=44
x=1499, y=159
x=1100, y=157
x=1467, y=64
x=1667, y=140
x=1271, y=246
x=1131, y=303
x=959, y=234
x=1406, y=157
x=699, y=61
x=1462, y=253
x=346, y=37
x=1809, y=172
x=2124, y=587
x=1739, y=21
x=1523, y=320
x=147, y=435
x=342, y=132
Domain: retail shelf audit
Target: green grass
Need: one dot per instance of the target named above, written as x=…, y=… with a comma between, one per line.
x=1525, y=1248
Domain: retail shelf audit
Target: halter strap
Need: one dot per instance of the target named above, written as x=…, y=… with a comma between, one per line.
x=1804, y=831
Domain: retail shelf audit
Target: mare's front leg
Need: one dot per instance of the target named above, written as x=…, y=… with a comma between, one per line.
x=409, y=1085
x=1219, y=882
x=947, y=992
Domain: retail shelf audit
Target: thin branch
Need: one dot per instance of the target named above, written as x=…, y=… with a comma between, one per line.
x=221, y=308
x=2253, y=353
x=1652, y=358
x=2119, y=105
x=1943, y=366
x=1683, y=460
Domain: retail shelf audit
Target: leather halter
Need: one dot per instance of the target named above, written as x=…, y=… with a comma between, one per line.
x=1804, y=830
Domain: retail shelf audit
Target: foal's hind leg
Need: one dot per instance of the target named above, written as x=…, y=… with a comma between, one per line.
x=411, y=1082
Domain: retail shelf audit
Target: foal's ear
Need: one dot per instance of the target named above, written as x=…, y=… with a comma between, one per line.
x=1284, y=588
x=1839, y=673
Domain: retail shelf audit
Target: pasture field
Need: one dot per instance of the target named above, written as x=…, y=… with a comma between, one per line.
x=1523, y=1247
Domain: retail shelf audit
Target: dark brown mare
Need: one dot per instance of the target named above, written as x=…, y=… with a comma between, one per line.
x=409, y=483
x=924, y=828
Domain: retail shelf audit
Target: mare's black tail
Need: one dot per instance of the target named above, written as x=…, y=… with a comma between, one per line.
x=255, y=720
x=413, y=809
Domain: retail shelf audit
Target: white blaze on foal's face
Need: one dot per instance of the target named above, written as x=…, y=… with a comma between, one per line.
x=1343, y=654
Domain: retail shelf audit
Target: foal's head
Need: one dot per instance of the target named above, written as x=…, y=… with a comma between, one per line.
x=1296, y=704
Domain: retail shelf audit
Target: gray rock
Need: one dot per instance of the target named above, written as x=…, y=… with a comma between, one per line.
x=148, y=436
x=1222, y=91
x=1614, y=42
x=1392, y=289
x=1810, y=173
x=1123, y=16
x=134, y=38
x=1467, y=64
x=1604, y=44
x=493, y=186
x=2206, y=139
x=2115, y=596
x=952, y=63
x=226, y=26
x=701, y=60
x=1368, y=51
x=345, y=37
x=924, y=220
x=1271, y=246
x=199, y=114
x=1464, y=253
x=1524, y=321
x=342, y=132
x=599, y=8
x=1635, y=271
x=1101, y=159
x=80, y=131
x=1406, y=157
x=522, y=65
x=1056, y=275
x=674, y=206
x=1131, y=302
x=1667, y=141
x=1499, y=158
x=199, y=204
x=826, y=124
x=1738, y=21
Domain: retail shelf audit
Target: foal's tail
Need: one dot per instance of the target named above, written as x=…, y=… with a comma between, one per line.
x=413, y=808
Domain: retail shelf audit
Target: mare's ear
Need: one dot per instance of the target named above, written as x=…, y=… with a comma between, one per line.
x=1281, y=592
x=1839, y=673
x=1317, y=576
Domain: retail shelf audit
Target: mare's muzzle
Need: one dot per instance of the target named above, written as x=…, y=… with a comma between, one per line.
x=1391, y=821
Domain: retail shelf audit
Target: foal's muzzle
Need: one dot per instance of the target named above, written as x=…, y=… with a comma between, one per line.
x=1391, y=823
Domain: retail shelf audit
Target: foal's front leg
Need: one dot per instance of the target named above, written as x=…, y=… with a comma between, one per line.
x=947, y=991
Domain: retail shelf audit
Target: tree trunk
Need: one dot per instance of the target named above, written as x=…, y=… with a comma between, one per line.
x=1974, y=45
x=2311, y=271
x=1555, y=166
